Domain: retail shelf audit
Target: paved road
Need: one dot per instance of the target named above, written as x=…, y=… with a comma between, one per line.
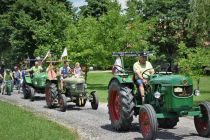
x=95, y=125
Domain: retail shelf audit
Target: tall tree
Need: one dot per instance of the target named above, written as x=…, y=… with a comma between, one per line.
x=200, y=21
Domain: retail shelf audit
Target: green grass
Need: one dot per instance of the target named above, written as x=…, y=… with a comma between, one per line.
x=18, y=124
x=204, y=89
x=99, y=82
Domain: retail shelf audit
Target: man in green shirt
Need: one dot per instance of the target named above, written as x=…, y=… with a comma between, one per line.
x=36, y=69
x=139, y=67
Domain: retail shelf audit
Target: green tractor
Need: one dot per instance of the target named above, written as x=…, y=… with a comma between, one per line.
x=74, y=90
x=34, y=83
x=167, y=97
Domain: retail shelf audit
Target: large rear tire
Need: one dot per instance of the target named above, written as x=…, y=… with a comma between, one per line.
x=62, y=102
x=202, y=124
x=167, y=123
x=32, y=95
x=120, y=105
x=148, y=122
x=50, y=90
x=26, y=91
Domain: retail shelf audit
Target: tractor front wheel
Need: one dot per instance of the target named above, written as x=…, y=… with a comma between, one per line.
x=62, y=102
x=148, y=122
x=167, y=123
x=120, y=105
x=202, y=124
x=95, y=101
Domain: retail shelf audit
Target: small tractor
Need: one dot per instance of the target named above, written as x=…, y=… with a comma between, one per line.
x=74, y=90
x=34, y=83
x=167, y=97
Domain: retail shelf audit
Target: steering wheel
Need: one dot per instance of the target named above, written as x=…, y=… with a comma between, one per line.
x=144, y=73
x=117, y=67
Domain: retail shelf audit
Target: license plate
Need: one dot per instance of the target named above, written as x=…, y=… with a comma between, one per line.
x=178, y=89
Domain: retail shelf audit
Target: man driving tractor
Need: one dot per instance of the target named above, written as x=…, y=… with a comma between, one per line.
x=36, y=69
x=139, y=67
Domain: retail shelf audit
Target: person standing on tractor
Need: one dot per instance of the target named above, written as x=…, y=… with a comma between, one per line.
x=139, y=67
x=64, y=72
x=36, y=69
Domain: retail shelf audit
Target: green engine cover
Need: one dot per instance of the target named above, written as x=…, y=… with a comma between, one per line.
x=39, y=80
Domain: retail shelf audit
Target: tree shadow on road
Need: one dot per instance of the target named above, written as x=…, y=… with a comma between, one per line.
x=162, y=133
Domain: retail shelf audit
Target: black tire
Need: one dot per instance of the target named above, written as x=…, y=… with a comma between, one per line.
x=62, y=102
x=50, y=90
x=120, y=106
x=167, y=123
x=95, y=101
x=148, y=125
x=32, y=95
x=202, y=124
x=26, y=91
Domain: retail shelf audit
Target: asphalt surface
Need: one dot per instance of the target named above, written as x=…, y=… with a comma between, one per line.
x=95, y=124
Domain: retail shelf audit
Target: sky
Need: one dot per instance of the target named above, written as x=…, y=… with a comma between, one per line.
x=78, y=3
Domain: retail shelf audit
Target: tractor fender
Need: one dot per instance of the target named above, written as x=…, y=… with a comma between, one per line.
x=121, y=82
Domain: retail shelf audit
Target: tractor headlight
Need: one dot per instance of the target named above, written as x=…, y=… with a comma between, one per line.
x=73, y=86
x=85, y=85
x=157, y=95
x=196, y=92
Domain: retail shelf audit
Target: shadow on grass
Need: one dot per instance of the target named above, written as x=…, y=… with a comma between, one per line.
x=162, y=133
x=97, y=87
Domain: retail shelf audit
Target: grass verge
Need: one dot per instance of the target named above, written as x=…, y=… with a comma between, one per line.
x=18, y=124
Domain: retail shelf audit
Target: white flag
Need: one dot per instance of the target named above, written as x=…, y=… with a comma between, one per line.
x=64, y=53
x=46, y=55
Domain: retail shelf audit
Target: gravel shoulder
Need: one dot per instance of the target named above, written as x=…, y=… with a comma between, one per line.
x=95, y=124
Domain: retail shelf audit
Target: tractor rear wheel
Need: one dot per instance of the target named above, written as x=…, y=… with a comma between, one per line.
x=202, y=124
x=95, y=101
x=148, y=122
x=50, y=90
x=167, y=123
x=32, y=95
x=62, y=102
x=26, y=91
x=120, y=105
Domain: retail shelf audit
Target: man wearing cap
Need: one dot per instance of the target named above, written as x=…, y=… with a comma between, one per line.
x=139, y=67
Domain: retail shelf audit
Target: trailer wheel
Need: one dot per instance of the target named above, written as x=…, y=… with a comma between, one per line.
x=167, y=123
x=62, y=102
x=202, y=124
x=148, y=122
x=50, y=90
x=32, y=95
x=95, y=101
x=120, y=106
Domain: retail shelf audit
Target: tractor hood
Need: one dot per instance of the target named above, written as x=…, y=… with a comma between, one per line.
x=173, y=80
x=40, y=76
x=74, y=80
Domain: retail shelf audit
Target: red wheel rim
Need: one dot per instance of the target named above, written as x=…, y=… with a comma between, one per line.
x=202, y=123
x=144, y=123
x=48, y=96
x=114, y=105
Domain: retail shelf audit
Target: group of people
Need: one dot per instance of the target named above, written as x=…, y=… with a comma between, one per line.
x=17, y=75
